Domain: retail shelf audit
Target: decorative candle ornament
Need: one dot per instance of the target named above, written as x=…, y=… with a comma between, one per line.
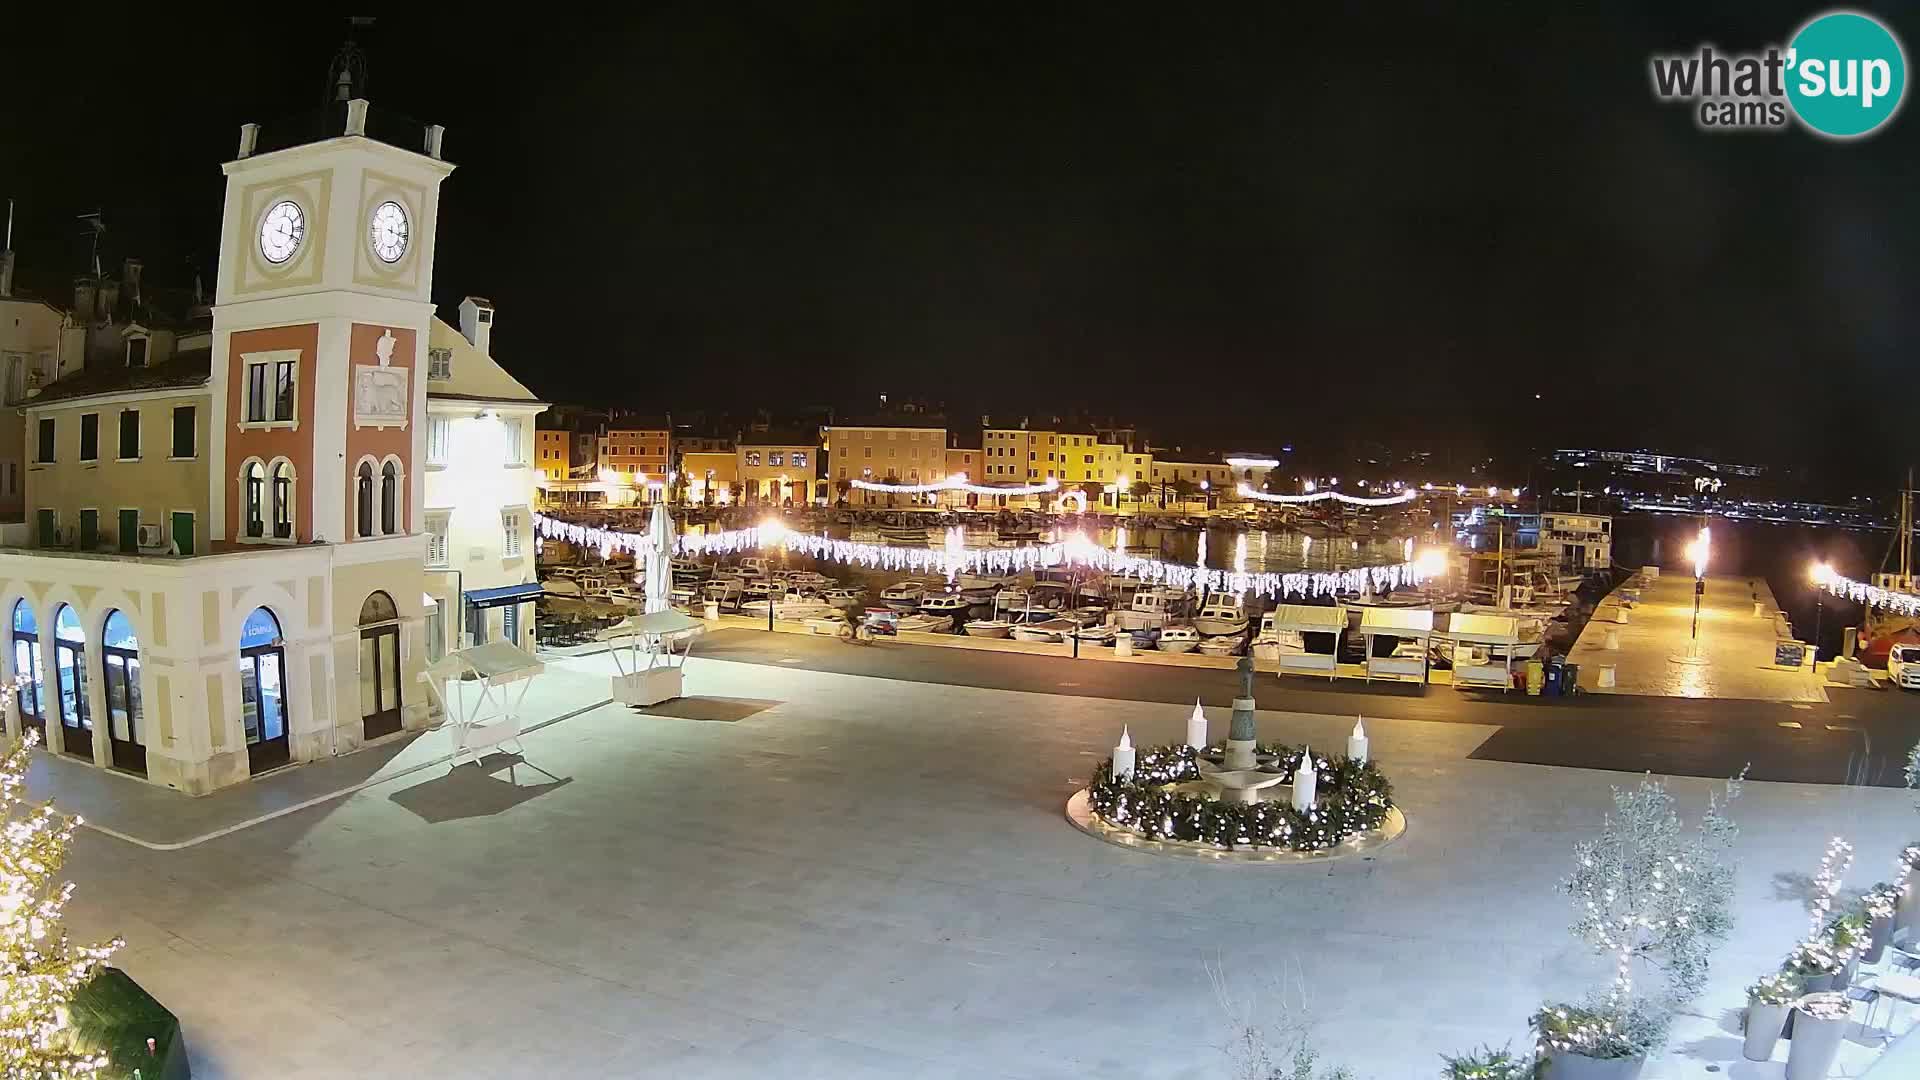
x=1304, y=779
x=1197, y=727
x=1357, y=742
x=1123, y=756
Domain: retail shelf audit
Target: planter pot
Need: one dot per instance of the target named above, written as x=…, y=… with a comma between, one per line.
x=1562, y=1066
x=1879, y=932
x=1809, y=984
x=1764, y=1024
x=1816, y=1043
x=1845, y=978
x=1907, y=915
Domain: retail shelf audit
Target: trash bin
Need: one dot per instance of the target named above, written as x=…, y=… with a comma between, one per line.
x=1569, y=679
x=1536, y=677
x=1555, y=671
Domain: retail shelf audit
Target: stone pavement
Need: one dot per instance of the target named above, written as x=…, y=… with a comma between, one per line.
x=800, y=874
x=1736, y=644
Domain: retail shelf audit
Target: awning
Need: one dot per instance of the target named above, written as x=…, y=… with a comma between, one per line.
x=505, y=594
x=1396, y=622
x=1306, y=618
x=495, y=663
x=1486, y=629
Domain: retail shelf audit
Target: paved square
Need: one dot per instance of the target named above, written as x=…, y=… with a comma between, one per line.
x=835, y=876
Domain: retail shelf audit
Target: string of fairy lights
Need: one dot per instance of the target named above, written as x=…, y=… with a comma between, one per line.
x=954, y=559
x=958, y=482
x=1247, y=491
x=1899, y=603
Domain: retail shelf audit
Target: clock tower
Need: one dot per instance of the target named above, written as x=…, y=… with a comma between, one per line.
x=318, y=380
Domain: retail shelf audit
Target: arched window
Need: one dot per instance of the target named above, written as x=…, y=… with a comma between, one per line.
x=26, y=665
x=120, y=664
x=263, y=702
x=363, y=499
x=390, y=498
x=283, y=500
x=256, y=499
x=70, y=661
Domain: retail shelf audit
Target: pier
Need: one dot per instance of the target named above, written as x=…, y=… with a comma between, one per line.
x=1655, y=653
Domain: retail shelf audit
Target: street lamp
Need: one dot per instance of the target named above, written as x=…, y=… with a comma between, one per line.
x=1698, y=552
x=1821, y=573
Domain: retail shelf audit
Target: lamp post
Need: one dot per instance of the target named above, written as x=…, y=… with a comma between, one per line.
x=1699, y=550
x=1821, y=574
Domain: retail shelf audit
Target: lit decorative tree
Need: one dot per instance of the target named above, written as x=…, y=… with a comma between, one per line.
x=40, y=969
x=1646, y=890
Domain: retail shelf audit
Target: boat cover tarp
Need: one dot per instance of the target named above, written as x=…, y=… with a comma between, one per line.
x=1398, y=622
x=1307, y=618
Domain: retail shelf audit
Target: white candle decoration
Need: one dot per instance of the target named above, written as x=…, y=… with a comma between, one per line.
x=1197, y=727
x=1357, y=742
x=1123, y=756
x=1304, y=781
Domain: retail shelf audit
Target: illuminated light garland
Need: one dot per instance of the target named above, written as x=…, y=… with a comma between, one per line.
x=958, y=482
x=1899, y=603
x=1247, y=491
x=1077, y=551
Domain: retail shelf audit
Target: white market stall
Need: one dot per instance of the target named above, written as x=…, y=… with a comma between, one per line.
x=654, y=652
x=480, y=690
x=1415, y=624
x=1502, y=631
x=1308, y=619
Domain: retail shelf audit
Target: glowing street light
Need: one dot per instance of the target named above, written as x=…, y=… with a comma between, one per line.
x=1431, y=563
x=1822, y=574
x=1698, y=551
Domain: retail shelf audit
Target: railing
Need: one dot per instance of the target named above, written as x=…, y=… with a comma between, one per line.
x=330, y=121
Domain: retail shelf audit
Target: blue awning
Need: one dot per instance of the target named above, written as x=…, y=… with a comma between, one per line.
x=505, y=594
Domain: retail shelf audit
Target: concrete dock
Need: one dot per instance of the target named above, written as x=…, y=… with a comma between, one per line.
x=1656, y=654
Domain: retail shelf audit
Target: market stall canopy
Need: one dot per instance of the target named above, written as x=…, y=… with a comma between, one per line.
x=496, y=663
x=1397, y=622
x=653, y=622
x=1308, y=618
x=1484, y=629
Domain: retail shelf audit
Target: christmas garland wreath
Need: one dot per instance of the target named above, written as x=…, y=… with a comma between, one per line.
x=1351, y=798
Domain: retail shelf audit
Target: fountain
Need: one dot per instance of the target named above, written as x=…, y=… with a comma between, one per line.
x=1241, y=774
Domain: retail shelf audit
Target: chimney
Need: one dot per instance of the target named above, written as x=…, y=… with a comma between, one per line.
x=436, y=133
x=109, y=299
x=476, y=322
x=6, y=273
x=83, y=303
x=130, y=273
x=249, y=138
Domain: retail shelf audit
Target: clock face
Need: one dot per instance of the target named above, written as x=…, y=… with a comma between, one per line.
x=387, y=231
x=282, y=231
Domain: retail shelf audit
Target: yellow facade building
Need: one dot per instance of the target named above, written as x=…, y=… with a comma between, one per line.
x=885, y=454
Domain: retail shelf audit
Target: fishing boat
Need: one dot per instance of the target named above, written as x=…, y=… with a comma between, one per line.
x=725, y=591
x=903, y=595
x=988, y=628
x=1046, y=630
x=1221, y=646
x=1150, y=609
x=1221, y=616
x=789, y=610
x=903, y=535
x=946, y=604
x=842, y=598
x=1097, y=633
x=926, y=624
x=1179, y=639
x=980, y=589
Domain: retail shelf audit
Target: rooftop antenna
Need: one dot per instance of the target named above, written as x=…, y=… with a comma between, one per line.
x=9, y=245
x=347, y=75
x=96, y=224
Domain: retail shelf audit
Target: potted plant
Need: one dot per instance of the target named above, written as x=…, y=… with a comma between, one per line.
x=1594, y=1041
x=1848, y=936
x=1908, y=915
x=1768, y=1002
x=1821, y=1020
x=1880, y=903
x=1487, y=1064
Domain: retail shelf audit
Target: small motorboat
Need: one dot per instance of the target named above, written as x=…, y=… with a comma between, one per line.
x=842, y=598
x=726, y=592
x=1098, y=633
x=992, y=628
x=903, y=536
x=904, y=596
x=790, y=610
x=946, y=604
x=926, y=624
x=1179, y=639
x=1221, y=617
x=1054, y=630
x=1220, y=646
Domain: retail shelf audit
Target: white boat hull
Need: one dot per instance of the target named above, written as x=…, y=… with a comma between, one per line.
x=1215, y=627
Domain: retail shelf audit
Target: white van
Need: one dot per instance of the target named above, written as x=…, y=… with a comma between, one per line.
x=1903, y=663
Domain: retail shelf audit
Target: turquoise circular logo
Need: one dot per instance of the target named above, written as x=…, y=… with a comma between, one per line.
x=1846, y=74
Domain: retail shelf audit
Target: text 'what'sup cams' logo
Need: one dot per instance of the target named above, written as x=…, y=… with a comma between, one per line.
x=1843, y=76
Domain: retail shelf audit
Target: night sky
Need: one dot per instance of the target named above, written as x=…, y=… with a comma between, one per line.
x=1237, y=230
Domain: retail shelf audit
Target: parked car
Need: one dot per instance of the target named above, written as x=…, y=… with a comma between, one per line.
x=1903, y=663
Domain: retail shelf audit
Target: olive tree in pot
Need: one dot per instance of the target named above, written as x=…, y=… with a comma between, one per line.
x=1767, y=1004
x=1847, y=934
x=1815, y=965
x=1880, y=903
x=1821, y=1020
x=1651, y=894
